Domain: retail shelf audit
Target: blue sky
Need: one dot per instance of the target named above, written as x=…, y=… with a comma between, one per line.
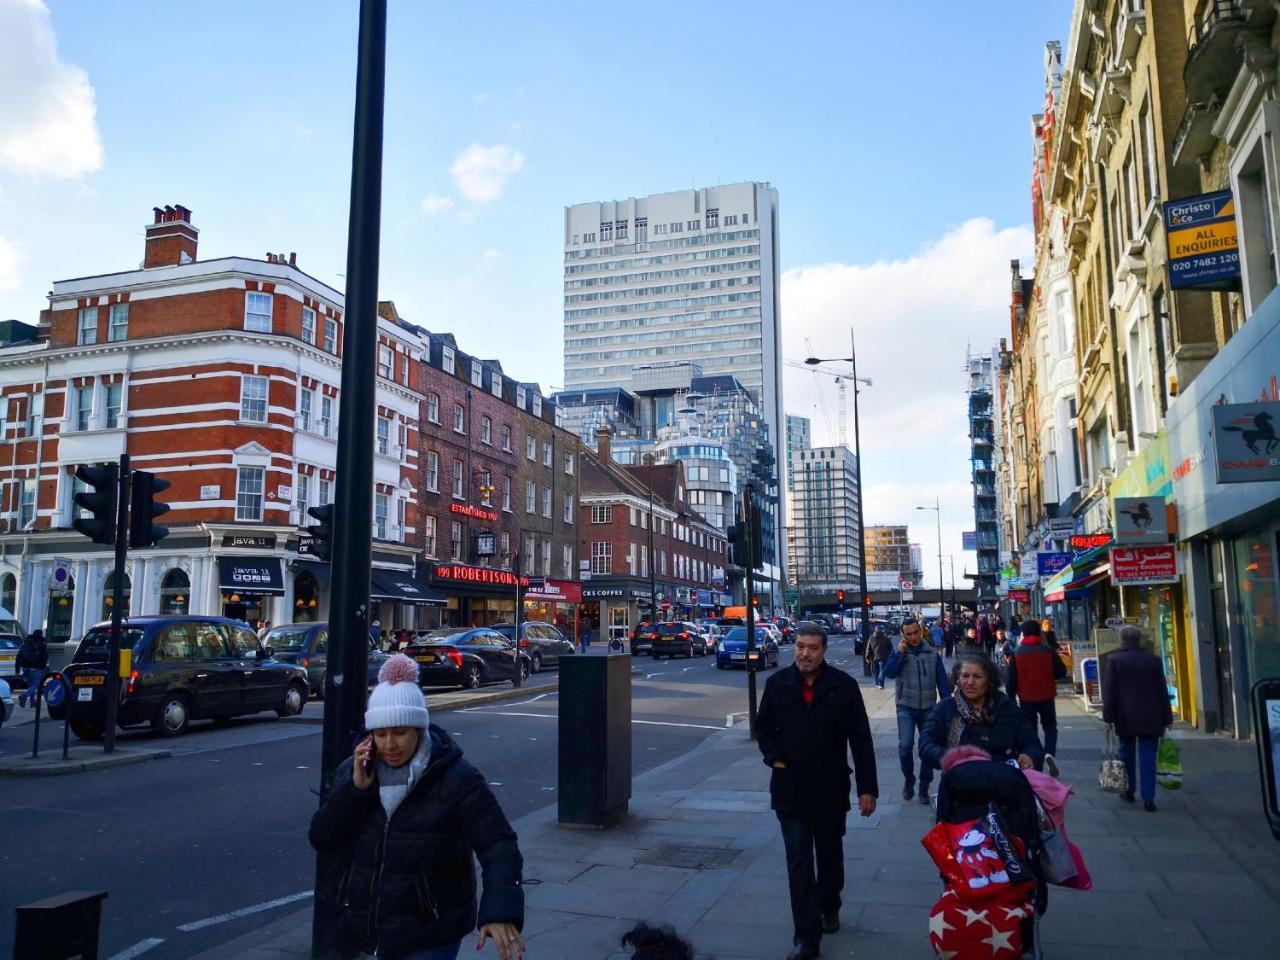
x=898, y=136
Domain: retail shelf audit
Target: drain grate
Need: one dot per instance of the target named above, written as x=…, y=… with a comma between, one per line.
x=688, y=857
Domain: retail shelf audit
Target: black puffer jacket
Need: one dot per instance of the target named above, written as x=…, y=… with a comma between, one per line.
x=409, y=883
x=1008, y=734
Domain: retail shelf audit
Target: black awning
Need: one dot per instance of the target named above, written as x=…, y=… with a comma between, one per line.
x=250, y=575
x=402, y=587
x=318, y=570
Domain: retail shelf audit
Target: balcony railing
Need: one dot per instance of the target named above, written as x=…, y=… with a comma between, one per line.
x=1213, y=59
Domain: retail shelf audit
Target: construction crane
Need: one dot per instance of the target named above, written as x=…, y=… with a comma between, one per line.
x=841, y=380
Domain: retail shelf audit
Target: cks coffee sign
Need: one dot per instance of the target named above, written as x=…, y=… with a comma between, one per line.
x=1247, y=442
x=1144, y=566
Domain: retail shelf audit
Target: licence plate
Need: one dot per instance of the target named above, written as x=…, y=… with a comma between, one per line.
x=7, y=661
x=90, y=680
x=426, y=658
x=737, y=656
x=84, y=694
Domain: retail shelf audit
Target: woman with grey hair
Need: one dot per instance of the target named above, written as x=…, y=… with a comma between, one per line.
x=1135, y=701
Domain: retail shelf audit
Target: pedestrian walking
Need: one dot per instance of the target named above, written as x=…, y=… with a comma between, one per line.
x=1034, y=672
x=407, y=817
x=879, y=650
x=33, y=661
x=264, y=627
x=1135, y=701
x=921, y=679
x=953, y=637
x=978, y=714
x=937, y=635
x=986, y=636
x=811, y=717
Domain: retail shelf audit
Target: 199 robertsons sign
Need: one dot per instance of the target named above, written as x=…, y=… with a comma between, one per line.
x=489, y=576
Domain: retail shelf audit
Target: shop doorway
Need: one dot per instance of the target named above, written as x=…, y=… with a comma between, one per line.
x=58, y=621
x=1221, y=639
x=109, y=595
x=306, y=598
x=175, y=594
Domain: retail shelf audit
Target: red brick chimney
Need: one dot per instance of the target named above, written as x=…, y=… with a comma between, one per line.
x=603, y=449
x=171, y=239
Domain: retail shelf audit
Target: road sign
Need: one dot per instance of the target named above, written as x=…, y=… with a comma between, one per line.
x=905, y=584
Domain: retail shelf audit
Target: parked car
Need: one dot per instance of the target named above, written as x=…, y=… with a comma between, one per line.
x=181, y=669
x=307, y=645
x=678, y=636
x=467, y=658
x=642, y=638
x=733, y=651
x=6, y=702
x=543, y=642
x=9, y=645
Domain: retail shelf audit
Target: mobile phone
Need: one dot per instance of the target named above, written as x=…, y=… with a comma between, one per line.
x=373, y=755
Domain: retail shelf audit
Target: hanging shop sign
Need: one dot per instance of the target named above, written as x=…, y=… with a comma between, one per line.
x=1204, y=251
x=1047, y=564
x=1060, y=527
x=1090, y=541
x=479, y=513
x=1246, y=441
x=262, y=541
x=1020, y=596
x=1141, y=520
x=1029, y=567
x=1144, y=566
x=969, y=540
x=486, y=543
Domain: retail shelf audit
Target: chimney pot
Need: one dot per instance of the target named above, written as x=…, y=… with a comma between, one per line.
x=171, y=238
x=293, y=259
x=603, y=447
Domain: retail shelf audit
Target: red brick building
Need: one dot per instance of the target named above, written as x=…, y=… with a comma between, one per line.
x=643, y=545
x=222, y=376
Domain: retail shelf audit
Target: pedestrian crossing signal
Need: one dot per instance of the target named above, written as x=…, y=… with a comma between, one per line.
x=839, y=596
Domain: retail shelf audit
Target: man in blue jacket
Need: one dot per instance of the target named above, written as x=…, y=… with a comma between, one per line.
x=921, y=682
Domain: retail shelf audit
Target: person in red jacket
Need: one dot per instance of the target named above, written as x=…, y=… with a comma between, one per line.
x=1034, y=672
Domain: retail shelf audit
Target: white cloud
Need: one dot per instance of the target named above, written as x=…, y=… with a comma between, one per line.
x=482, y=172
x=10, y=259
x=913, y=319
x=434, y=203
x=47, y=117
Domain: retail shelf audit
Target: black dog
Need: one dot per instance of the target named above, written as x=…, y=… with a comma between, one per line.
x=1262, y=431
x=652, y=943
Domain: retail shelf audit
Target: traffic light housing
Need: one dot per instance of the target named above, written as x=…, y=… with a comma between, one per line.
x=755, y=601
x=144, y=508
x=100, y=500
x=866, y=601
x=321, y=532
x=839, y=596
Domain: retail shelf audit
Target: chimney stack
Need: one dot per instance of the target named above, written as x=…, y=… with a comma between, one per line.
x=171, y=239
x=602, y=444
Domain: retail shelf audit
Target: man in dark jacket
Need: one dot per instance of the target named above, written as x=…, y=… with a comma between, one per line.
x=878, y=650
x=1135, y=700
x=33, y=660
x=1034, y=671
x=921, y=680
x=811, y=716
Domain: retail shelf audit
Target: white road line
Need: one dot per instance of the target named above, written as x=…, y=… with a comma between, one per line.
x=139, y=948
x=552, y=716
x=668, y=723
x=246, y=911
x=509, y=713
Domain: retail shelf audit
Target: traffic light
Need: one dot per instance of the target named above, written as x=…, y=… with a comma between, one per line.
x=736, y=535
x=144, y=508
x=753, y=552
x=755, y=601
x=100, y=501
x=322, y=532
x=866, y=601
x=839, y=596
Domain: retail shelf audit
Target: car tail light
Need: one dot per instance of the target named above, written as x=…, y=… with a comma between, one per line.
x=455, y=656
x=523, y=643
x=304, y=662
x=132, y=685
x=685, y=635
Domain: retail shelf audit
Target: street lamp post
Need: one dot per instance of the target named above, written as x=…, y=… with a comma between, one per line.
x=653, y=560
x=852, y=360
x=937, y=508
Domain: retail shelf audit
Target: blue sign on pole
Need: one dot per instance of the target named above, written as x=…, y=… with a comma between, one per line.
x=1047, y=564
x=969, y=540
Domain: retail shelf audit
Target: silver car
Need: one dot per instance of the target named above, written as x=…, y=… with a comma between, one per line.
x=6, y=702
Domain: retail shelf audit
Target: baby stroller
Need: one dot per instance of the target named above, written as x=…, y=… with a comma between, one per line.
x=987, y=845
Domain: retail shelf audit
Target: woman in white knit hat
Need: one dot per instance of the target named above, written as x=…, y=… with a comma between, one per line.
x=407, y=814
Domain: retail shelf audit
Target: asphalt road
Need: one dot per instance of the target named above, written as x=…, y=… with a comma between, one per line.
x=221, y=826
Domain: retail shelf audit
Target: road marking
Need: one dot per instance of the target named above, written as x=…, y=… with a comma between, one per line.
x=508, y=713
x=139, y=948
x=552, y=716
x=668, y=723
x=245, y=912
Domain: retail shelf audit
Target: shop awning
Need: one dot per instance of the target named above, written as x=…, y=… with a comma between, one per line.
x=253, y=575
x=402, y=587
x=1078, y=581
x=318, y=570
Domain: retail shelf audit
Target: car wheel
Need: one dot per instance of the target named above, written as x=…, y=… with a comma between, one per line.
x=173, y=716
x=537, y=663
x=688, y=652
x=86, y=731
x=318, y=689
x=719, y=665
x=471, y=679
x=295, y=698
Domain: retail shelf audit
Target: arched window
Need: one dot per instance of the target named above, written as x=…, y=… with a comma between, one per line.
x=306, y=598
x=175, y=593
x=8, y=592
x=108, y=595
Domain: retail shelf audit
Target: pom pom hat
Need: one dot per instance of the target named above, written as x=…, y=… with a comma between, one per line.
x=396, y=701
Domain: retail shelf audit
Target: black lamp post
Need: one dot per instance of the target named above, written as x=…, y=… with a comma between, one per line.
x=653, y=560
x=852, y=360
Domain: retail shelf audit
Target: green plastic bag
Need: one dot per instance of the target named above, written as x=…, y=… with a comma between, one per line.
x=1169, y=765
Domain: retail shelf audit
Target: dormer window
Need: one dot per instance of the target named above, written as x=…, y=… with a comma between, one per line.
x=448, y=359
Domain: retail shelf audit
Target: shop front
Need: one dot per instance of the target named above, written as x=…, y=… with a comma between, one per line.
x=1225, y=478
x=247, y=585
x=475, y=596
x=556, y=602
x=402, y=602
x=615, y=605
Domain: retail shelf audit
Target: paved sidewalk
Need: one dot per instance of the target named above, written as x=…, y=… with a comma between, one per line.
x=701, y=851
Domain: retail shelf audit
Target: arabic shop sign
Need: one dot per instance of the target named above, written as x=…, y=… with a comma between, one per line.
x=1203, y=248
x=1246, y=443
x=1144, y=566
x=1051, y=562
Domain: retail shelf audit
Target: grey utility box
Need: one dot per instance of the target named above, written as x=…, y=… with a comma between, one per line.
x=595, y=740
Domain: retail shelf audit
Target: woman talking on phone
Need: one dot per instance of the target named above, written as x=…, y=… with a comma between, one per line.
x=407, y=814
